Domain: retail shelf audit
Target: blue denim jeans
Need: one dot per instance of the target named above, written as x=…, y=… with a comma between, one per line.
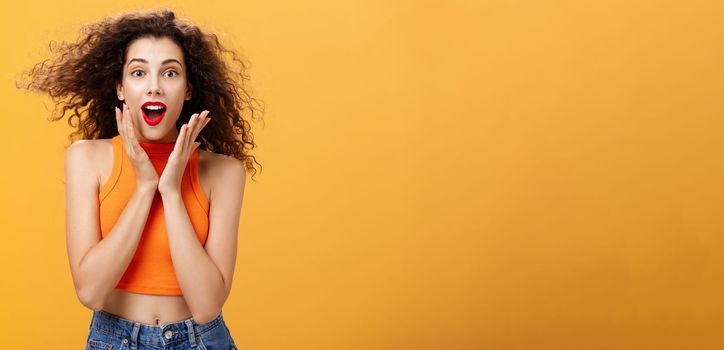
x=110, y=332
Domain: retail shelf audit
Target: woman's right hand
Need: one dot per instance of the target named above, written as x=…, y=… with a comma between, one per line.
x=146, y=174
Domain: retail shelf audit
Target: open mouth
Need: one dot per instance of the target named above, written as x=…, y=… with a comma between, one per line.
x=153, y=112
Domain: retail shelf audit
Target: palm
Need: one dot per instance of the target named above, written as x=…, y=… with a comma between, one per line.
x=170, y=179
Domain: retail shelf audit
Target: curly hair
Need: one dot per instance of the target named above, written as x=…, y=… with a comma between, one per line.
x=80, y=80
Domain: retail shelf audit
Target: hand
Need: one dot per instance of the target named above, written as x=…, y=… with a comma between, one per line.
x=146, y=174
x=170, y=180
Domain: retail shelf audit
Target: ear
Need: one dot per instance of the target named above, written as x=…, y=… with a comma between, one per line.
x=119, y=92
x=189, y=90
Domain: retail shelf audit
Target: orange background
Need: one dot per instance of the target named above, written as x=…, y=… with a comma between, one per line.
x=437, y=175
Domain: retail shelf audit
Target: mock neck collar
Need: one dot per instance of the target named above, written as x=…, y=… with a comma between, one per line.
x=157, y=148
x=153, y=147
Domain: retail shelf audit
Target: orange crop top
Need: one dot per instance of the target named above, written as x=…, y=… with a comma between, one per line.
x=151, y=269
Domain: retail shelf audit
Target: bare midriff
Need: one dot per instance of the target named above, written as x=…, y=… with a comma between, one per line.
x=157, y=310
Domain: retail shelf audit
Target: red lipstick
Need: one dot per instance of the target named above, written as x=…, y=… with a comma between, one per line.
x=153, y=112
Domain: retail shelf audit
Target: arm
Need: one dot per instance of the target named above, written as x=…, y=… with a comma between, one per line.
x=98, y=264
x=205, y=272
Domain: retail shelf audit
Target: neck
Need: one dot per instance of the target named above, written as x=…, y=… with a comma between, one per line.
x=171, y=137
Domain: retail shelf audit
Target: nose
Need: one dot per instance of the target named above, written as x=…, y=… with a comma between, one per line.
x=154, y=88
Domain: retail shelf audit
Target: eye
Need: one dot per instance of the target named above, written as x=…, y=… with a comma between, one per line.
x=137, y=70
x=172, y=71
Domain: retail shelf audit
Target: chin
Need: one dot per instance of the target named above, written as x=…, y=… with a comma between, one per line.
x=154, y=134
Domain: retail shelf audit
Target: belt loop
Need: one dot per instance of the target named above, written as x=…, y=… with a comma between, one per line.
x=134, y=335
x=192, y=334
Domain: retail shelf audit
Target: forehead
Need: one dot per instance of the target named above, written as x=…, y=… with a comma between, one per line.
x=153, y=50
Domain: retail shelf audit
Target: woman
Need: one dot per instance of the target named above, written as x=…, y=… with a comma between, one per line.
x=152, y=214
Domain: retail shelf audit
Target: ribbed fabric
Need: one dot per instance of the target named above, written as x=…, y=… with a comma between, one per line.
x=151, y=270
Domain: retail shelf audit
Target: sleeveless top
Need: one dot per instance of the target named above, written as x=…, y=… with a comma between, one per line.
x=151, y=269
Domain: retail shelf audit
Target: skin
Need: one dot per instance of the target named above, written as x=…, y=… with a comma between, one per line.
x=152, y=81
x=204, y=272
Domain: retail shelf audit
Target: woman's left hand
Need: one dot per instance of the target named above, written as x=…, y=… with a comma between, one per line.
x=170, y=180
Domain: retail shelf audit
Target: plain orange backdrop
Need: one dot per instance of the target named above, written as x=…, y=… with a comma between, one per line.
x=437, y=175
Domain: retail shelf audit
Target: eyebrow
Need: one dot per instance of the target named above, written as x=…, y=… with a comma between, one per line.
x=162, y=63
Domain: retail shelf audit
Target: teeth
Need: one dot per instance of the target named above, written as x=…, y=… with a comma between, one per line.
x=154, y=108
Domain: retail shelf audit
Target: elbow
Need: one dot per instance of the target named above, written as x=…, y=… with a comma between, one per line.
x=207, y=315
x=90, y=300
x=208, y=310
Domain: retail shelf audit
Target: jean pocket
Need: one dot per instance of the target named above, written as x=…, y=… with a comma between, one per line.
x=99, y=344
x=215, y=339
x=101, y=340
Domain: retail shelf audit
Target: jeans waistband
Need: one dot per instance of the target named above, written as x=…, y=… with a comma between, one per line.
x=151, y=334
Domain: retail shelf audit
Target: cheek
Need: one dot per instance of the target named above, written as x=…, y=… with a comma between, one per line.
x=178, y=93
x=133, y=93
x=176, y=97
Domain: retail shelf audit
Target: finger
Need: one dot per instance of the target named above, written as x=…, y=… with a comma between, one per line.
x=129, y=123
x=125, y=122
x=120, y=125
x=194, y=129
x=190, y=127
x=118, y=118
x=130, y=133
x=180, y=143
x=131, y=128
x=203, y=122
x=202, y=126
x=198, y=126
x=126, y=135
x=124, y=130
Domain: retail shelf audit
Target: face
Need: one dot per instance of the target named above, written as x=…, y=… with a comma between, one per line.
x=154, y=71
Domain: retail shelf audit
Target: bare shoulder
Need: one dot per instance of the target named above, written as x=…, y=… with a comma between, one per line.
x=217, y=170
x=91, y=157
x=92, y=148
x=210, y=161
